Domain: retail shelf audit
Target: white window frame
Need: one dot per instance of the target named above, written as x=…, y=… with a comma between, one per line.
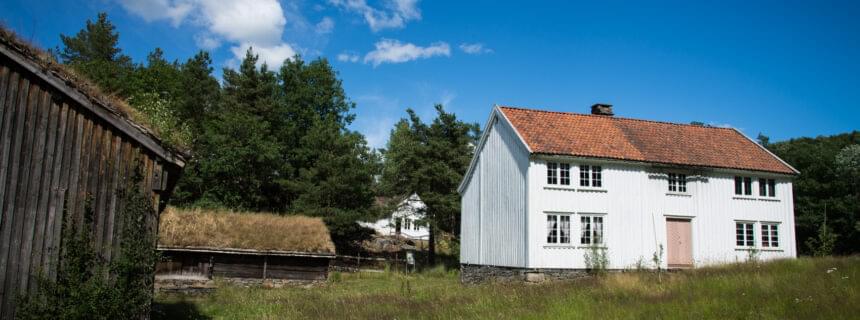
x=552, y=173
x=767, y=187
x=562, y=235
x=591, y=176
x=745, y=186
x=745, y=236
x=564, y=174
x=589, y=235
x=769, y=235
x=677, y=182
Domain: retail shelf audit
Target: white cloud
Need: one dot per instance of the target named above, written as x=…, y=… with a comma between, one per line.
x=273, y=56
x=326, y=25
x=207, y=42
x=151, y=10
x=348, y=57
x=474, y=48
x=393, y=51
x=257, y=21
x=242, y=23
x=395, y=14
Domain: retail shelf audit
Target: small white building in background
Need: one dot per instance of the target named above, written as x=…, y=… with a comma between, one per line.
x=407, y=220
x=545, y=187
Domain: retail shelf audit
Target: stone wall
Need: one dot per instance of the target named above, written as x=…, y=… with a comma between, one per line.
x=472, y=274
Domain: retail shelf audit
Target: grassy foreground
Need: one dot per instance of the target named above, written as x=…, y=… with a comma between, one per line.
x=807, y=288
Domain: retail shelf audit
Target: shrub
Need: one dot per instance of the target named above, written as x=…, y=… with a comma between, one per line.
x=596, y=260
x=89, y=288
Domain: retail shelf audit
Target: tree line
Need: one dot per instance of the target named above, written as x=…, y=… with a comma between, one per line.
x=278, y=140
x=826, y=193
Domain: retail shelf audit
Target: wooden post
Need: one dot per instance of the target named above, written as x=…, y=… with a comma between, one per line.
x=265, y=265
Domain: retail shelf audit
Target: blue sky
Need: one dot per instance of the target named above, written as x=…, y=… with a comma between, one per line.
x=782, y=68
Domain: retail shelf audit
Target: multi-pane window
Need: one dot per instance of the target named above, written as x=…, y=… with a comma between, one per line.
x=766, y=187
x=407, y=224
x=591, y=230
x=769, y=235
x=551, y=173
x=744, y=234
x=677, y=182
x=584, y=176
x=596, y=176
x=590, y=176
x=564, y=174
x=564, y=229
x=743, y=185
x=558, y=173
x=558, y=228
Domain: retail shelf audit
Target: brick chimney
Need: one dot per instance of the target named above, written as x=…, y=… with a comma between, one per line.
x=602, y=109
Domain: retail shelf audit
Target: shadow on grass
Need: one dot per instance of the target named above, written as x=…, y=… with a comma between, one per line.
x=179, y=309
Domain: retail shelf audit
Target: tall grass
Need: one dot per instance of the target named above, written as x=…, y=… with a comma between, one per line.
x=794, y=289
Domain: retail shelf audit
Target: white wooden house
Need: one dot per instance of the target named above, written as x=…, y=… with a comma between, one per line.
x=543, y=187
x=407, y=220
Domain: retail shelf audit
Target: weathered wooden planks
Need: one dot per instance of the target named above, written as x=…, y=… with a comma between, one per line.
x=55, y=155
x=235, y=265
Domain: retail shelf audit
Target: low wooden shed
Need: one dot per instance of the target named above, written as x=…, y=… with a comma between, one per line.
x=201, y=244
x=62, y=142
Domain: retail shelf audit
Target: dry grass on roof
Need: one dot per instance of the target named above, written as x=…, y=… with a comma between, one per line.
x=205, y=228
x=78, y=82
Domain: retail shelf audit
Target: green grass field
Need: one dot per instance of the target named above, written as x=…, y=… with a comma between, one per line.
x=807, y=288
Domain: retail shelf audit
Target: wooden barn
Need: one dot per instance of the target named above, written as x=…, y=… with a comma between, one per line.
x=62, y=142
x=201, y=244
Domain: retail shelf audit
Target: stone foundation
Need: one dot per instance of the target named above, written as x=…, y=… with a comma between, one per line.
x=472, y=273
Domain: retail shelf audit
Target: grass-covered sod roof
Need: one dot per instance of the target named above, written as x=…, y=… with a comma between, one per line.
x=232, y=230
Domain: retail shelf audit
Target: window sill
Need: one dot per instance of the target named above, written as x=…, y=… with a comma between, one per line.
x=559, y=246
x=571, y=188
x=769, y=199
x=559, y=187
x=736, y=197
x=571, y=246
x=595, y=247
x=759, y=249
x=679, y=194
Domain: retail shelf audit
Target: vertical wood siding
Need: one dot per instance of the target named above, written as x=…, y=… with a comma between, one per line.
x=494, y=208
x=55, y=156
x=470, y=226
x=636, y=206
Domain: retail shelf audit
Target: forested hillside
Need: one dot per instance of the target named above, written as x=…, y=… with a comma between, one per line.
x=828, y=188
x=279, y=141
x=276, y=140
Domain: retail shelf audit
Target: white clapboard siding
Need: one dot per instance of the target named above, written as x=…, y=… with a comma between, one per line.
x=493, y=228
x=636, y=204
x=470, y=225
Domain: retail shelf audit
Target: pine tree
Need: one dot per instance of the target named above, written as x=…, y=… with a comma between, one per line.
x=94, y=52
x=241, y=156
x=430, y=160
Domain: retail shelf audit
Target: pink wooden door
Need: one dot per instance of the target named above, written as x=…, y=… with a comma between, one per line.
x=679, y=243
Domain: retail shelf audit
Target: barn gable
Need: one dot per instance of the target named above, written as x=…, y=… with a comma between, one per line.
x=62, y=143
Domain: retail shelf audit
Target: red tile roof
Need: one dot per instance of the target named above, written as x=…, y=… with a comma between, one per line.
x=610, y=137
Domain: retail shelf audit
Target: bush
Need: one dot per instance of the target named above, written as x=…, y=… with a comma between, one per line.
x=86, y=286
x=596, y=260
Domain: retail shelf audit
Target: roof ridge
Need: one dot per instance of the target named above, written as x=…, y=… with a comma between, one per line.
x=614, y=117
